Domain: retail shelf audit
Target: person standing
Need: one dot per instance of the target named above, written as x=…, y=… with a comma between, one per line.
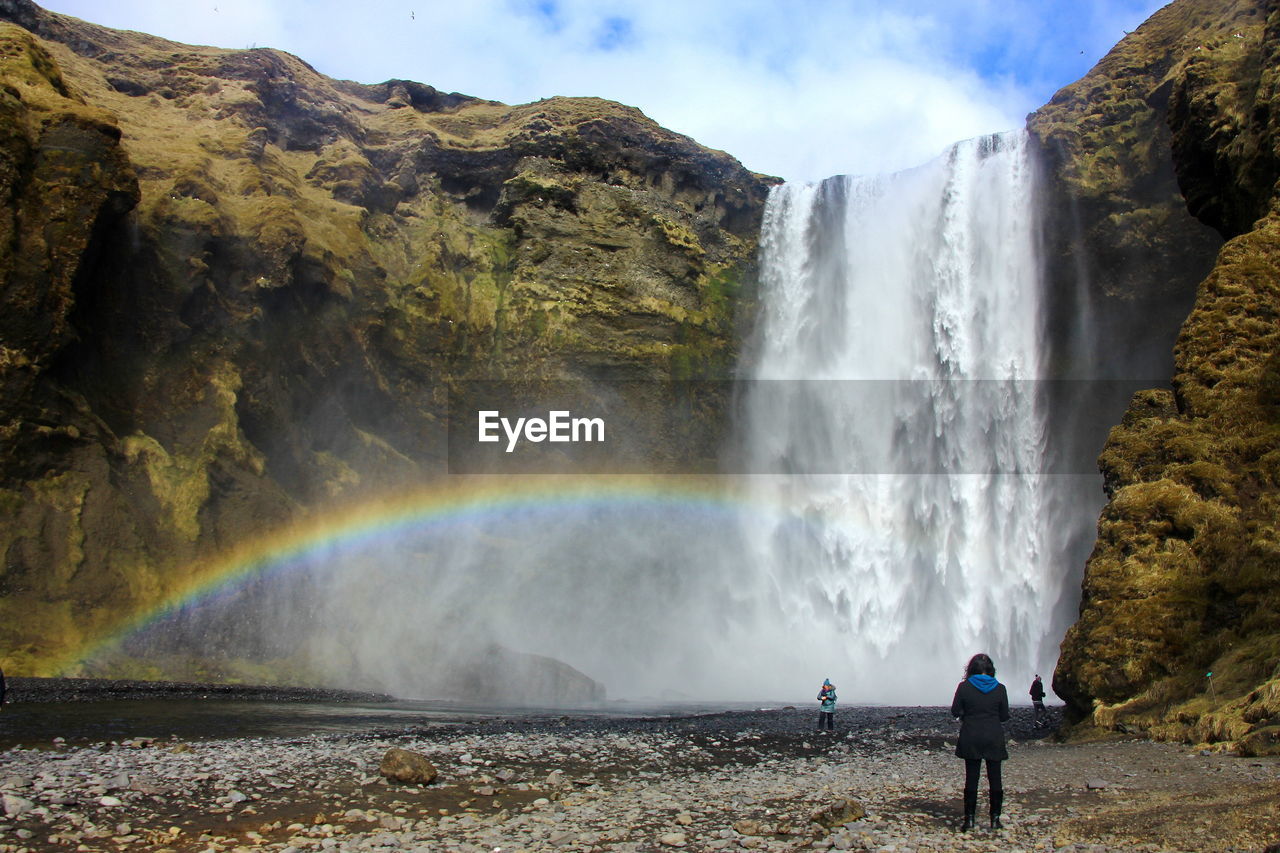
x=981, y=704
x=1037, y=701
x=827, y=710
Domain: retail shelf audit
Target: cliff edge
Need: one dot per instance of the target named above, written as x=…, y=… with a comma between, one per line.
x=1179, y=628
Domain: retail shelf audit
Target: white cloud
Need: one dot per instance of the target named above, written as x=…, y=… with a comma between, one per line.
x=801, y=89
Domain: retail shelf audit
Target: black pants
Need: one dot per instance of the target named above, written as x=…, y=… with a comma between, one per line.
x=827, y=718
x=972, y=769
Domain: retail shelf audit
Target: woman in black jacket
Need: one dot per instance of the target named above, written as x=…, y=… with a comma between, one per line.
x=982, y=705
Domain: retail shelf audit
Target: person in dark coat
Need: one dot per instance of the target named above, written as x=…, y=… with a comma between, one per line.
x=981, y=704
x=1037, y=701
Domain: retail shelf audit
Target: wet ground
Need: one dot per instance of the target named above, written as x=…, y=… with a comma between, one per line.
x=84, y=711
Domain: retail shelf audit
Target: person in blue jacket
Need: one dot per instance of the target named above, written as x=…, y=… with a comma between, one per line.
x=827, y=710
x=982, y=705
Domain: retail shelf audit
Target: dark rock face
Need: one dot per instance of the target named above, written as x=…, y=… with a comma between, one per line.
x=236, y=291
x=65, y=181
x=1182, y=580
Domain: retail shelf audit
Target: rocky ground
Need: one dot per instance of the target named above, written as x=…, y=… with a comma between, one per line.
x=759, y=780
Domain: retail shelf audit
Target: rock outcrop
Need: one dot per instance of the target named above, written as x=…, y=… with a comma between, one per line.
x=1123, y=252
x=236, y=291
x=1183, y=579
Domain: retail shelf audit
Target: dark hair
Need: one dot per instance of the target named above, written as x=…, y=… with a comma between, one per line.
x=980, y=664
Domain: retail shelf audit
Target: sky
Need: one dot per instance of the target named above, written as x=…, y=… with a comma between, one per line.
x=801, y=89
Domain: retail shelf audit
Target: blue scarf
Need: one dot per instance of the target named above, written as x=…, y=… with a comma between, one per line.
x=985, y=683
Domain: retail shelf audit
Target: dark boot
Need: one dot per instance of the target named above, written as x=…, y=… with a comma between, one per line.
x=997, y=803
x=970, y=810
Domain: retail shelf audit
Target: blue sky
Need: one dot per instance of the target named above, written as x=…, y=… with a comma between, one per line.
x=797, y=88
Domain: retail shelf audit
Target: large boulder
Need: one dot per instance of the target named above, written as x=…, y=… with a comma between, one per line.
x=407, y=767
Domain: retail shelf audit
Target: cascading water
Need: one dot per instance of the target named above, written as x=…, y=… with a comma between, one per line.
x=895, y=413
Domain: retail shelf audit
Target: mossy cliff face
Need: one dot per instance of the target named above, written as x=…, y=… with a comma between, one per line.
x=1124, y=254
x=1185, y=576
x=237, y=290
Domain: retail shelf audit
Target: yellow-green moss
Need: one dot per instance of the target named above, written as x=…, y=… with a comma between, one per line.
x=679, y=236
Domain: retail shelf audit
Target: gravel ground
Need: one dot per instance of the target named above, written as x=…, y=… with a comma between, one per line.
x=761, y=780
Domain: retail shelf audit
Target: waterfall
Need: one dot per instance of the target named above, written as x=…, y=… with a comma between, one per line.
x=896, y=415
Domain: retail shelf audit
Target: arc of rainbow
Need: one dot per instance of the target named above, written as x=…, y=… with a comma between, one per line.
x=451, y=502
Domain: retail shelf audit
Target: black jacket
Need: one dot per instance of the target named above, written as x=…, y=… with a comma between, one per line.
x=1037, y=691
x=981, y=735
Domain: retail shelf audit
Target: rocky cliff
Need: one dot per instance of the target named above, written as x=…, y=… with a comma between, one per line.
x=236, y=291
x=1184, y=580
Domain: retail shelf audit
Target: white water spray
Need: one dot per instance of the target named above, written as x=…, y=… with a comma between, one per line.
x=897, y=339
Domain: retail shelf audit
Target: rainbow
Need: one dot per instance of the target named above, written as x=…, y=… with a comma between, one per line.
x=453, y=502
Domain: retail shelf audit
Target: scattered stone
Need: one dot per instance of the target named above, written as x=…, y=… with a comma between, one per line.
x=838, y=813
x=1096, y=784
x=145, y=786
x=646, y=792
x=16, y=806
